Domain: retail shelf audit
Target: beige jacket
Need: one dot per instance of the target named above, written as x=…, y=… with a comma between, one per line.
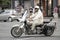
x=38, y=16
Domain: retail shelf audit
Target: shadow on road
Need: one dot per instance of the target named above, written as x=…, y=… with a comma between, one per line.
x=34, y=37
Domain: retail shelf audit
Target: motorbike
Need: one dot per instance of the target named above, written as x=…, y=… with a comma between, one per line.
x=47, y=28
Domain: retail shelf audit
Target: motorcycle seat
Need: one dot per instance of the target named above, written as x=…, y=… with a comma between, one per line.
x=39, y=25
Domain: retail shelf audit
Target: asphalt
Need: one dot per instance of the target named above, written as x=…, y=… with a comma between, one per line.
x=5, y=28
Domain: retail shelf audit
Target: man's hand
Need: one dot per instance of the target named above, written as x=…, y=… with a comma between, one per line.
x=30, y=19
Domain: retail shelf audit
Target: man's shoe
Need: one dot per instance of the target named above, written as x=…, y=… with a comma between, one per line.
x=30, y=32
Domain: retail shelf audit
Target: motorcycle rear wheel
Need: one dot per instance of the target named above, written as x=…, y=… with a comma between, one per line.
x=48, y=31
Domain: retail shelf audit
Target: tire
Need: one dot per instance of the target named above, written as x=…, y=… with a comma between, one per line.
x=17, y=20
x=48, y=31
x=5, y=20
x=10, y=19
x=14, y=32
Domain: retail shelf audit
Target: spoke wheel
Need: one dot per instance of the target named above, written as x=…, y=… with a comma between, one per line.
x=15, y=32
x=48, y=31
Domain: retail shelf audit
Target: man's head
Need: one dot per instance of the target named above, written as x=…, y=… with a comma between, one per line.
x=36, y=8
x=31, y=10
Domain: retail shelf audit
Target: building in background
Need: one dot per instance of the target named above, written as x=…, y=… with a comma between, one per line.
x=58, y=2
x=59, y=8
x=48, y=5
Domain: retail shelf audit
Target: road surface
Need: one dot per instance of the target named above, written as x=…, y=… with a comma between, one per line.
x=5, y=28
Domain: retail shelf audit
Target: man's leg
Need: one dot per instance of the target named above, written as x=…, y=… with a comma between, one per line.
x=33, y=25
x=36, y=22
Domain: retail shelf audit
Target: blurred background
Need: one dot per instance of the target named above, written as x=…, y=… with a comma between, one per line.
x=46, y=5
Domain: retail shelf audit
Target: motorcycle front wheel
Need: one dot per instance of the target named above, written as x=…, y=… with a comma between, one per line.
x=16, y=33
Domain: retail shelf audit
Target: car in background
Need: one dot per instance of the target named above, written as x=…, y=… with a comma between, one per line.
x=1, y=11
x=8, y=15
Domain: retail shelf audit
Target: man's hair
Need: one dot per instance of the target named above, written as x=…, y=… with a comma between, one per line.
x=38, y=4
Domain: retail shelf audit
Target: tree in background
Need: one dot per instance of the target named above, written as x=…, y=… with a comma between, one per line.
x=0, y=1
x=5, y=3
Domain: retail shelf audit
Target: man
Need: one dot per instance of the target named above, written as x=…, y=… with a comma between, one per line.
x=30, y=13
x=19, y=10
x=36, y=18
x=55, y=12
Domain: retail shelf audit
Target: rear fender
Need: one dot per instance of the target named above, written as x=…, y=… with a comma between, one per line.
x=52, y=25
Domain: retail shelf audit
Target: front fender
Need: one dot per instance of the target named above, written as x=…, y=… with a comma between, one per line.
x=20, y=26
x=15, y=25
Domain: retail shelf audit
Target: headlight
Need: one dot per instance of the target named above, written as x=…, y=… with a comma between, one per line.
x=28, y=21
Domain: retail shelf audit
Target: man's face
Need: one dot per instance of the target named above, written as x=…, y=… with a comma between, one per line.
x=31, y=10
x=36, y=9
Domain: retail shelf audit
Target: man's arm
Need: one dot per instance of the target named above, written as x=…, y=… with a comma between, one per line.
x=39, y=15
x=32, y=16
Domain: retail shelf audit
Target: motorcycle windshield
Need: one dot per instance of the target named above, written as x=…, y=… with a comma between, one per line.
x=24, y=16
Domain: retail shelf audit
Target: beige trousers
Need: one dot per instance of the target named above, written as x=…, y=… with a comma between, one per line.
x=36, y=22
